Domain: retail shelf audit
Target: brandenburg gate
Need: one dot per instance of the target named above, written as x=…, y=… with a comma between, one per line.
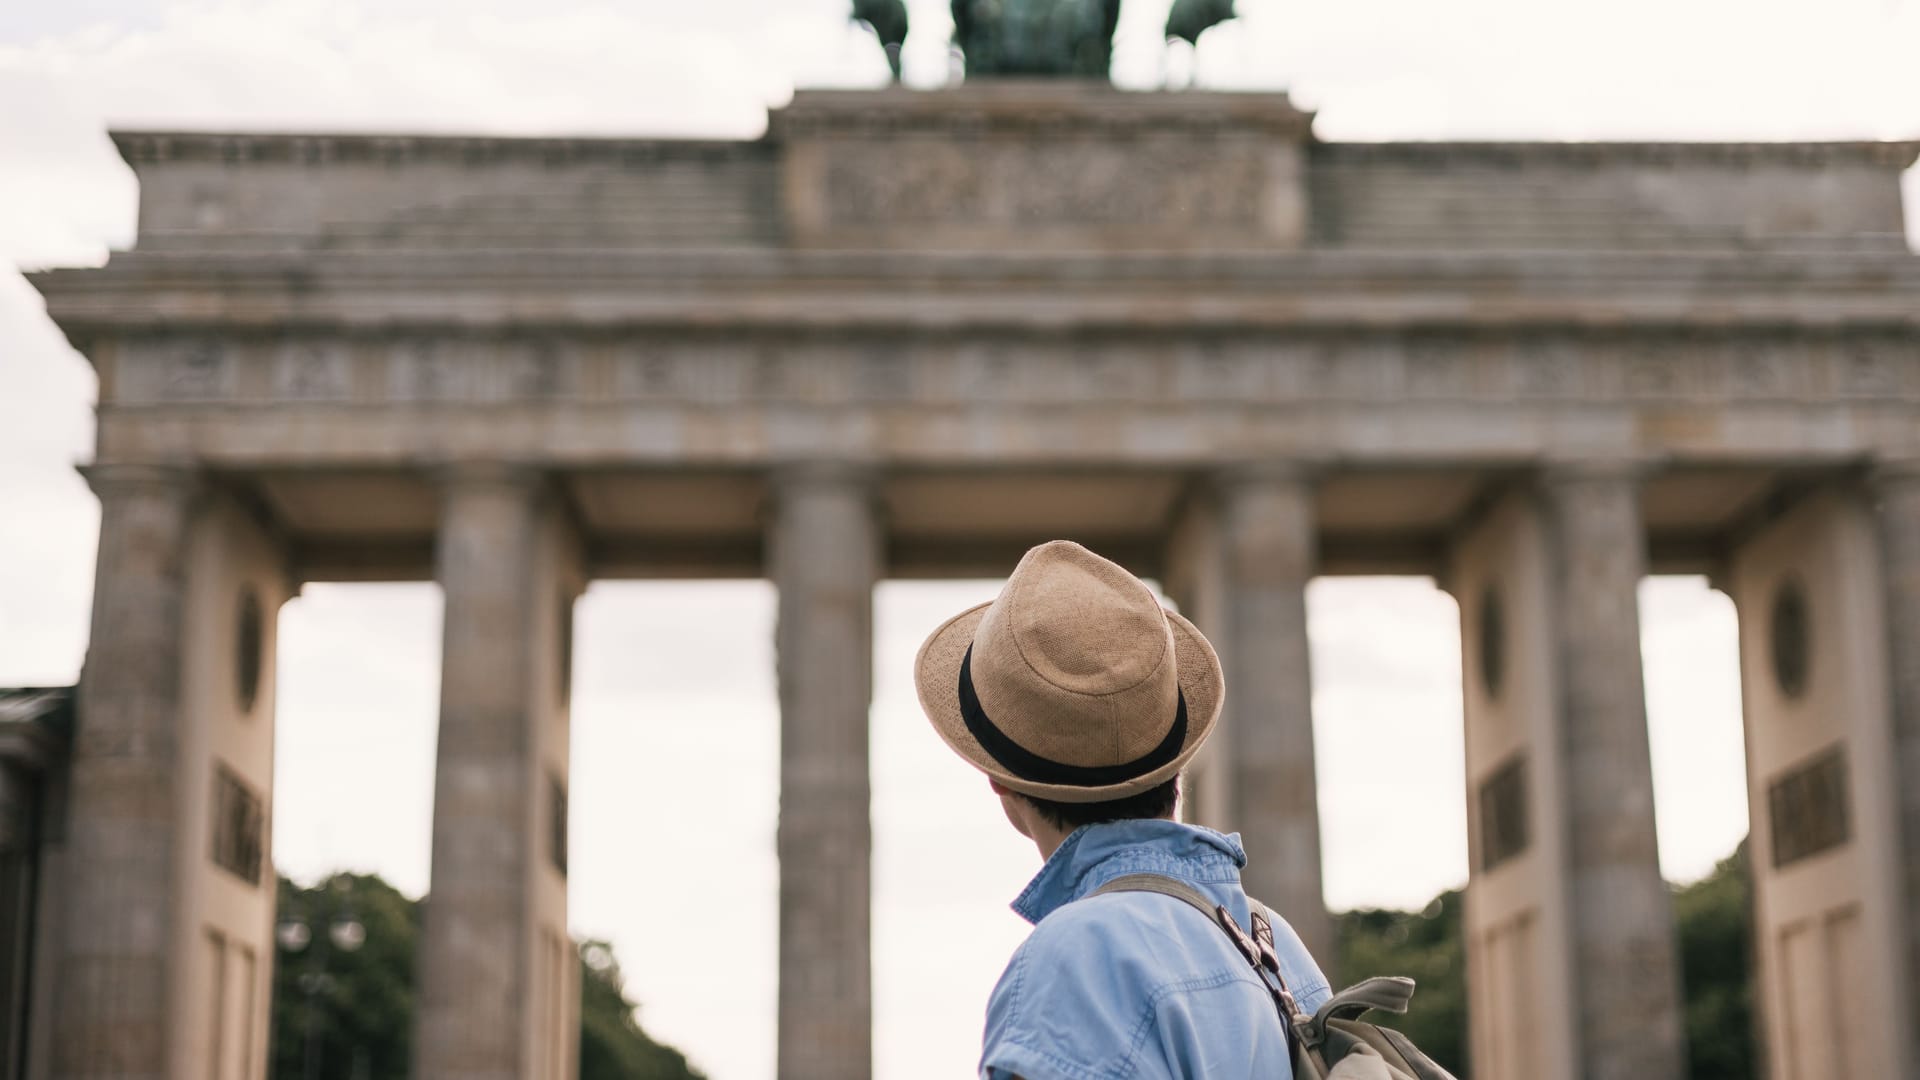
x=909, y=334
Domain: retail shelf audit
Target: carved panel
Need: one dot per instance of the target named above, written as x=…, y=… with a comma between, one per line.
x=199, y=371
x=249, y=650
x=1807, y=808
x=1789, y=628
x=313, y=371
x=1253, y=369
x=239, y=826
x=1040, y=184
x=1504, y=829
x=427, y=371
x=557, y=822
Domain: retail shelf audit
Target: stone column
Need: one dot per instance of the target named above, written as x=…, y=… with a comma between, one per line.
x=1268, y=545
x=824, y=554
x=1195, y=579
x=1897, y=505
x=496, y=965
x=114, y=959
x=1627, y=987
x=18, y=795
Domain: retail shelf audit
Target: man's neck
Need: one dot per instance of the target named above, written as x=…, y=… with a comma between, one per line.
x=1047, y=836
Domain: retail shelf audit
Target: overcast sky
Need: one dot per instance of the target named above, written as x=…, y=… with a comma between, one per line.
x=675, y=744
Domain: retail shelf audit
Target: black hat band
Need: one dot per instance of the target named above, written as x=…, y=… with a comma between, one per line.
x=1030, y=766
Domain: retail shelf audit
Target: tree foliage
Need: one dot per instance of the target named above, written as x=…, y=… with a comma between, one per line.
x=1713, y=924
x=1425, y=946
x=1715, y=920
x=338, y=1013
x=611, y=1042
x=347, y=1013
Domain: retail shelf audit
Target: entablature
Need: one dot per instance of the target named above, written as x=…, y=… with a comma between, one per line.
x=787, y=292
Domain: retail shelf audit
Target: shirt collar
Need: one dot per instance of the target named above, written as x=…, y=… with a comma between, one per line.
x=1093, y=855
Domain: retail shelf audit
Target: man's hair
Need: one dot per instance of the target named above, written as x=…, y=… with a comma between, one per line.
x=1155, y=802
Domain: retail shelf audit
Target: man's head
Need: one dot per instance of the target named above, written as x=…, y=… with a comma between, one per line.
x=1074, y=691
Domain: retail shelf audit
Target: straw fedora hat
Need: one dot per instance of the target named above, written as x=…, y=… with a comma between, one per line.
x=1074, y=685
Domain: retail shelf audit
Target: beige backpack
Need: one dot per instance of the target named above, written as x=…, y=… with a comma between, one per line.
x=1333, y=1043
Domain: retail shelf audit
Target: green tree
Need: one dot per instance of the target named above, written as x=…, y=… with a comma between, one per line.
x=343, y=1000
x=1714, y=917
x=612, y=1046
x=344, y=1013
x=1425, y=946
x=1713, y=922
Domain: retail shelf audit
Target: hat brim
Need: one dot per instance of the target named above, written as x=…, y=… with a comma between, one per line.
x=936, y=675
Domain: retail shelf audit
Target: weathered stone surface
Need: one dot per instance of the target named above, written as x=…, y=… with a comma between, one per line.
x=1897, y=495
x=1602, y=197
x=1034, y=166
x=1823, y=849
x=1627, y=993
x=834, y=164
x=824, y=557
x=111, y=1020
x=496, y=967
x=1267, y=533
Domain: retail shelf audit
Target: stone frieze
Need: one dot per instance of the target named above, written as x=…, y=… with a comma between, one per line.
x=1069, y=371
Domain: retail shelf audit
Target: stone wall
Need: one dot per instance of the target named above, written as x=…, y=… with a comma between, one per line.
x=1597, y=196
x=291, y=192
x=1052, y=167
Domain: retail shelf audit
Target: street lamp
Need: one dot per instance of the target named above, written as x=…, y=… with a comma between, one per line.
x=294, y=935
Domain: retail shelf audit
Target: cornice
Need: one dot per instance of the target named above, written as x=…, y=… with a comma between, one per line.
x=263, y=148
x=272, y=270
x=1888, y=154
x=1046, y=107
x=155, y=292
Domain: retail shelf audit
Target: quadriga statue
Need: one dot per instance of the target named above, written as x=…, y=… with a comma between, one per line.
x=1071, y=38
x=1035, y=38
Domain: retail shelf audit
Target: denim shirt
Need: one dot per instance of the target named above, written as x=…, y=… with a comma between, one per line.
x=1139, y=985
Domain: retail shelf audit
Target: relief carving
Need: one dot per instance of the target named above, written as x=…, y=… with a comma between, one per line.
x=1761, y=370
x=1162, y=182
x=1863, y=374
x=425, y=371
x=310, y=372
x=882, y=375
x=1251, y=369
x=198, y=373
x=1543, y=369
x=910, y=182
x=535, y=371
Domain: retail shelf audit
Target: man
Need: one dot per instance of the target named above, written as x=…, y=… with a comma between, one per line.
x=1081, y=699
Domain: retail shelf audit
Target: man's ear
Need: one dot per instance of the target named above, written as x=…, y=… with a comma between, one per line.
x=999, y=788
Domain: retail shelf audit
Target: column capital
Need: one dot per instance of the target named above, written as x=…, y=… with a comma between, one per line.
x=1287, y=472
x=1894, y=469
x=489, y=474
x=1624, y=468
x=118, y=478
x=824, y=473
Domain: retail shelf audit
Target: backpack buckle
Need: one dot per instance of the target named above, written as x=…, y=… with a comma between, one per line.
x=1263, y=937
x=1245, y=944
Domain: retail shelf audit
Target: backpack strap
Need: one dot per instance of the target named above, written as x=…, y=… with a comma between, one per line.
x=1257, y=949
